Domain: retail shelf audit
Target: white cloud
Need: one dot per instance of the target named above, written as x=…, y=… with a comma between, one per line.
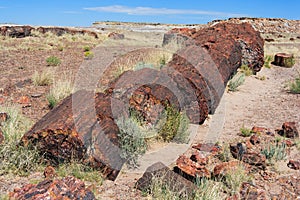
x=158, y=11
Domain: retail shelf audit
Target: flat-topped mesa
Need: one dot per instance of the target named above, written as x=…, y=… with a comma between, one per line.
x=214, y=52
x=17, y=31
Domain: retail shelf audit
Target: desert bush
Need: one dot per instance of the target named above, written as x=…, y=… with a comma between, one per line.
x=175, y=127
x=132, y=142
x=275, y=151
x=42, y=79
x=268, y=59
x=88, y=55
x=86, y=48
x=289, y=62
x=234, y=179
x=14, y=158
x=246, y=70
x=245, y=132
x=53, y=61
x=294, y=86
x=236, y=81
x=59, y=90
x=207, y=189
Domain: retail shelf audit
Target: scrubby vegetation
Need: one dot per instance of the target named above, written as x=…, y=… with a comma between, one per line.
x=42, y=79
x=59, y=90
x=294, y=86
x=268, y=59
x=14, y=158
x=53, y=61
x=236, y=81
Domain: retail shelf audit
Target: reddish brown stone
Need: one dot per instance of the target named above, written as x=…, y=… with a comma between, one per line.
x=191, y=169
x=283, y=59
x=3, y=117
x=2, y=100
x=294, y=164
x=168, y=178
x=261, y=130
x=254, y=139
x=225, y=167
x=68, y=188
x=23, y=100
x=49, y=172
x=196, y=157
x=289, y=130
x=289, y=143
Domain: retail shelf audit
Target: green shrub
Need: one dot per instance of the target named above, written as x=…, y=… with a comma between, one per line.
x=289, y=62
x=245, y=132
x=131, y=139
x=88, y=55
x=294, y=86
x=236, y=81
x=175, y=126
x=275, y=151
x=86, y=48
x=53, y=61
x=246, y=70
x=268, y=59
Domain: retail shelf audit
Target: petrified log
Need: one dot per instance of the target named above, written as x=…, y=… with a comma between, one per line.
x=89, y=134
x=25, y=31
x=148, y=91
x=159, y=173
x=67, y=188
x=210, y=56
x=284, y=60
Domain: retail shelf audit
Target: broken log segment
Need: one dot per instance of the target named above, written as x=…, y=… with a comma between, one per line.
x=160, y=174
x=284, y=60
x=62, y=135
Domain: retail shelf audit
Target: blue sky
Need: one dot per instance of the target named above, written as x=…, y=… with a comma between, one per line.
x=85, y=12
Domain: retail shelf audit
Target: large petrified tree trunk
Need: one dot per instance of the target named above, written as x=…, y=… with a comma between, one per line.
x=89, y=135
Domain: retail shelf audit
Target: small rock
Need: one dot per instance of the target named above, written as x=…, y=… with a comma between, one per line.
x=23, y=100
x=254, y=139
x=190, y=169
x=3, y=117
x=261, y=130
x=49, y=172
x=294, y=164
x=2, y=100
x=223, y=168
x=196, y=157
x=36, y=95
x=289, y=130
